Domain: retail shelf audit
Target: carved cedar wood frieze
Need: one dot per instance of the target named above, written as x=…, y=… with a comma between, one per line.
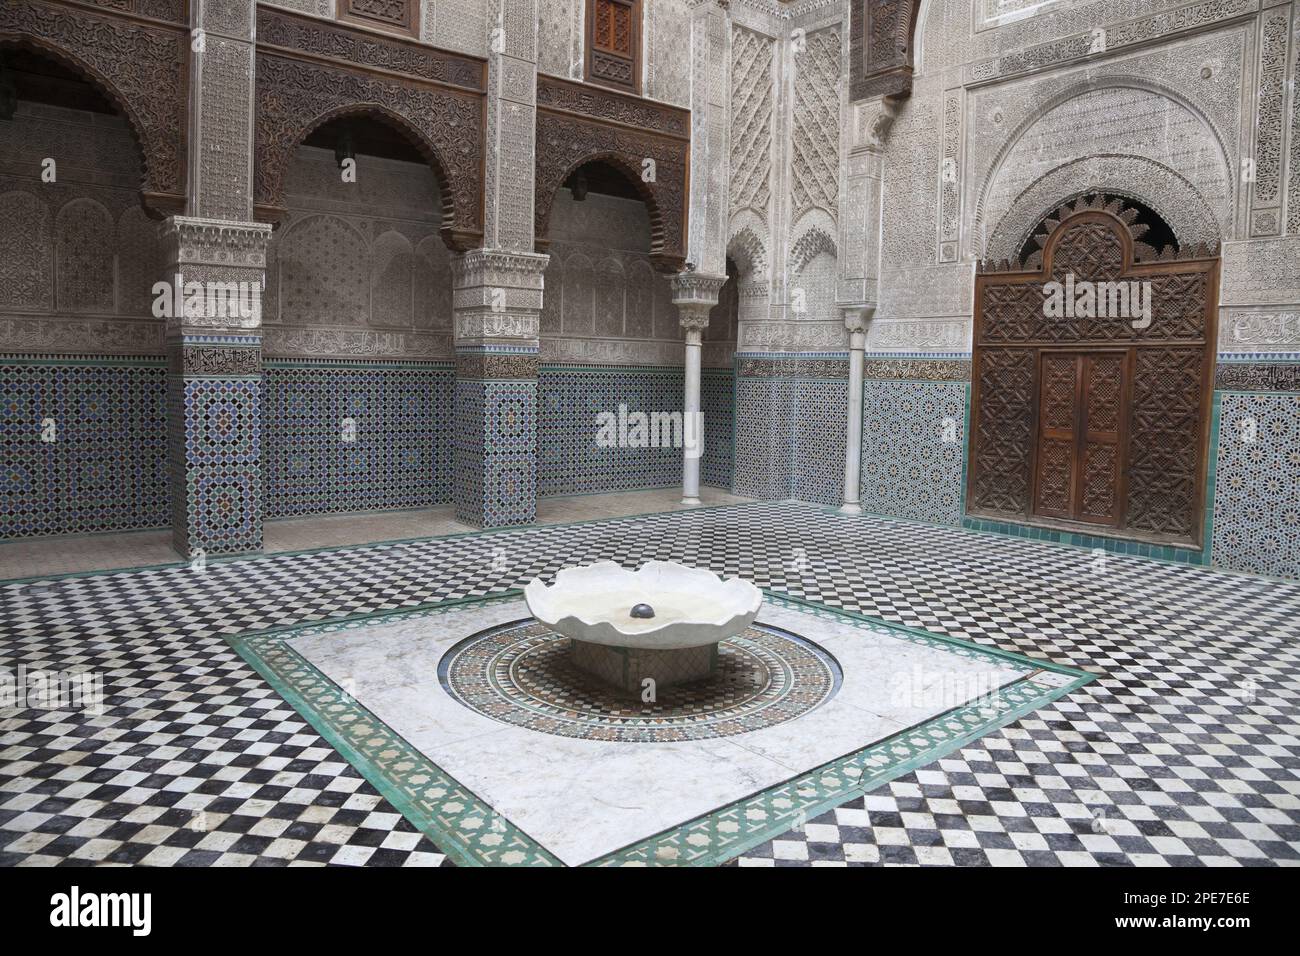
x=141, y=67
x=310, y=72
x=577, y=124
x=1087, y=417
x=880, y=47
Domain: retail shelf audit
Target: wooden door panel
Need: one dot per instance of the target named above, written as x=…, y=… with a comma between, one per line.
x=1103, y=415
x=1054, y=481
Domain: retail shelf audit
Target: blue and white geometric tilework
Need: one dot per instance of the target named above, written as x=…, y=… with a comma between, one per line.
x=353, y=437
x=84, y=446
x=913, y=447
x=1256, y=517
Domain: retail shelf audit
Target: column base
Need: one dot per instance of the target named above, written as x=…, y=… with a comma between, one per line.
x=850, y=509
x=627, y=668
x=691, y=502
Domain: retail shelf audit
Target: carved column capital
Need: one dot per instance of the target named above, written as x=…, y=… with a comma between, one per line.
x=695, y=294
x=214, y=273
x=215, y=241
x=497, y=296
x=857, y=316
x=692, y=288
x=872, y=121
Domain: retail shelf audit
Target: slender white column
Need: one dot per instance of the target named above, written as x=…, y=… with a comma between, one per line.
x=855, y=320
x=694, y=294
x=692, y=420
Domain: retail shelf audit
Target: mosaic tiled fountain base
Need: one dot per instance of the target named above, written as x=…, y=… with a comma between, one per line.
x=531, y=776
x=523, y=674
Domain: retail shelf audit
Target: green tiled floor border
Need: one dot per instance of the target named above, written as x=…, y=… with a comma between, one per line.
x=471, y=833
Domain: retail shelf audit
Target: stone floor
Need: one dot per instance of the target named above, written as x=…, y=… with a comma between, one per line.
x=1185, y=750
x=139, y=549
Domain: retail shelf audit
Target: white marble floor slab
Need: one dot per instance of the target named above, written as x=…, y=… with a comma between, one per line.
x=582, y=799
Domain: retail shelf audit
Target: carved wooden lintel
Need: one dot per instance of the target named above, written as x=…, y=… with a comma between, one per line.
x=310, y=72
x=578, y=123
x=880, y=47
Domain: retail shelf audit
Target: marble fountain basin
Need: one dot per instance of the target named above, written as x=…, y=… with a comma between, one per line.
x=663, y=621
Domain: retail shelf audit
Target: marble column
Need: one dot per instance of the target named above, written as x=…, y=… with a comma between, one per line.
x=694, y=294
x=861, y=182
x=497, y=301
x=855, y=320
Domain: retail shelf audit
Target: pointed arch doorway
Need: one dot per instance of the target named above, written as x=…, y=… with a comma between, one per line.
x=1092, y=379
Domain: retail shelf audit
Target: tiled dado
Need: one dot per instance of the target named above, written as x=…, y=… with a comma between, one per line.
x=718, y=402
x=571, y=397
x=820, y=425
x=494, y=455
x=214, y=439
x=356, y=436
x=83, y=442
x=914, y=449
x=1254, y=518
x=791, y=414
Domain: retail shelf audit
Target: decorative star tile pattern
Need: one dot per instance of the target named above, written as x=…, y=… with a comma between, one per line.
x=84, y=447
x=570, y=461
x=215, y=429
x=1256, y=516
x=913, y=447
x=399, y=455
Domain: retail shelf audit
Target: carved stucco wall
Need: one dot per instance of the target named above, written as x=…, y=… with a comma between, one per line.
x=665, y=34
x=667, y=38
x=604, y=302
x=752, y=102
x=1117, y=124
x=358, y=269
x=78, y=256
x=786, y=101
x=1010, y=117
x=560, y=47
x=815, y=139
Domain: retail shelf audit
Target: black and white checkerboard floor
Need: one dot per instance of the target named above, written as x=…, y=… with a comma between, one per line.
x=1185, y=751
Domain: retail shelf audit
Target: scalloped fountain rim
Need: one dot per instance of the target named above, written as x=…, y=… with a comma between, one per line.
x=737, y=600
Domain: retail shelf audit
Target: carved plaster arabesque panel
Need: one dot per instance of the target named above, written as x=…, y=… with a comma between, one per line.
x=751, y=121
x=1142, y=134
x=815, y=120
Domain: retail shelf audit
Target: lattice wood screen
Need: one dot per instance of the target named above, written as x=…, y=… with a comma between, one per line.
x=614, y=43
x=399, y=16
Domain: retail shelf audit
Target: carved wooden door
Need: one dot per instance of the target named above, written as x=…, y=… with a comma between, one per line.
x=1088, y=418
x=1079, y=455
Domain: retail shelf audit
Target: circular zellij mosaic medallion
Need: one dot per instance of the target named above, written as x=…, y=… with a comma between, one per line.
x=522, y=674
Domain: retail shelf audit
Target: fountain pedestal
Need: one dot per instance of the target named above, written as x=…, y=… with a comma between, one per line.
x=627, y=668
x=662, y=622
